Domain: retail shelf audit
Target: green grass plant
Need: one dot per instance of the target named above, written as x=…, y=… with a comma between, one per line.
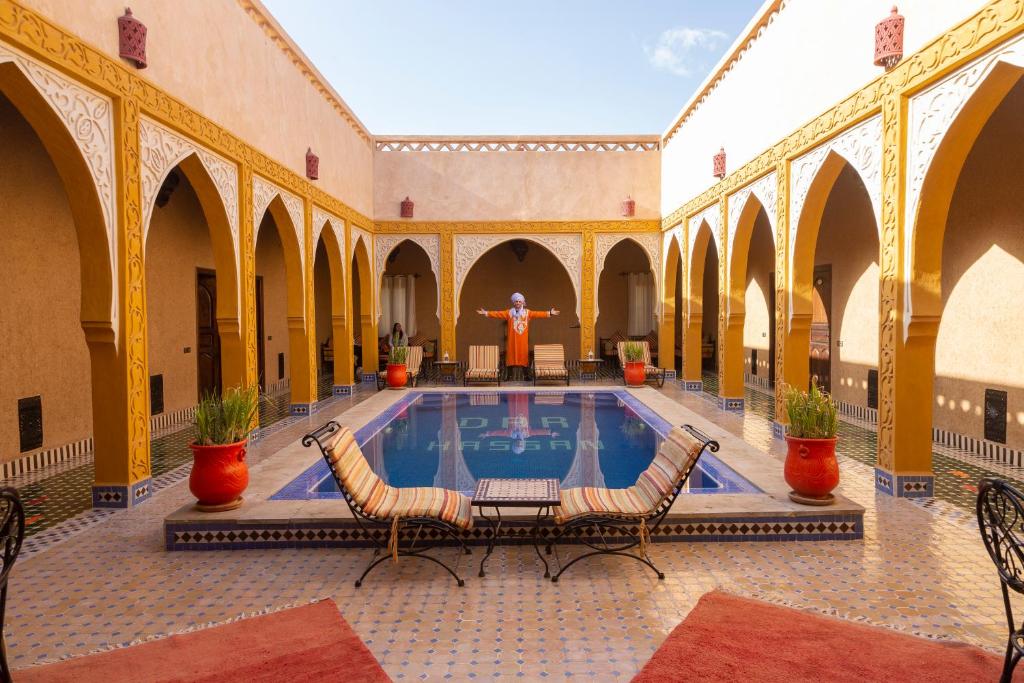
x=397, y=355
x=228, y=418
x=812, y=414
x=634, y=352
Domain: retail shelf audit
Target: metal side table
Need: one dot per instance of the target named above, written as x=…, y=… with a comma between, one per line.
x=515, y=493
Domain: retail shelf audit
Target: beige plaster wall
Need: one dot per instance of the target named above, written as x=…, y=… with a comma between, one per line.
x=544, y=282
x=487, y=186
x=214, y=57
x=612, y=292
x=979, y=340
x=759, y=318
x=177, y=244
x=848, y=240
x=270, y=266
x=412, y=260
x=43, y=346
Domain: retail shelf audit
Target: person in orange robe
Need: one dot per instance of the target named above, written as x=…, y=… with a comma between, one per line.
x=517, y=353
x=518, y=424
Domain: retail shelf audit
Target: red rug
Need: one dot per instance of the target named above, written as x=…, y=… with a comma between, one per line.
x=309, y=643
x=727, y=638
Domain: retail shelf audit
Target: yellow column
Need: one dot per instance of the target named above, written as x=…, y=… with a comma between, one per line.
x=247, y=279
x=667, y=322
x=693, y=318
x=344, y=355
x=447, y=294
x=587, y=295
x=730, y=324
x=906, y=362
x=120, y=387
x=301, y=339
x=782, y=343
x=369, y=288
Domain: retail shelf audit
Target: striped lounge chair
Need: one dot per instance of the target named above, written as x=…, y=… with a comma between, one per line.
x=652, y=372
x=409, y=517
x=549, y=363
x=413, y=363
x=613, y=521
x=484, y=365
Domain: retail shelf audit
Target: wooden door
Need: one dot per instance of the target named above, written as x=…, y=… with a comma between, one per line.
x=207, y=336
x=821, y=328
x=261, y=356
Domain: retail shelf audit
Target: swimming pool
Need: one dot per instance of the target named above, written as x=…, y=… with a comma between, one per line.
x=582, y=438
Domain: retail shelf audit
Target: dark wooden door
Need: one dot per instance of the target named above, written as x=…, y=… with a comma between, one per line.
x=207, y=336
x=261, y=356
x=821, y=327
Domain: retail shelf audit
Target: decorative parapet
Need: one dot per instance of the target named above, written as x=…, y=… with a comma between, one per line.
x=539, y=143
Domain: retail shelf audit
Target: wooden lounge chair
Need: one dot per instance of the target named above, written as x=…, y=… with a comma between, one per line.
x=549, y=363
x=484, y=365
x=413, y=365
x=651, y=371
x=613, y=521
x=409, y=517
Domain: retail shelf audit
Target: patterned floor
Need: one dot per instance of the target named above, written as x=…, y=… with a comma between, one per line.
x=112, y=584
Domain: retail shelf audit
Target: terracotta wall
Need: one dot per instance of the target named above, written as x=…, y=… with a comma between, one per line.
x=613, y=293
x=411, y=259
x=215, y=58
x=543, y=281
x=489, y=186
x=178, y=242
x=759, y=317
x=44, y=349
x=979, y=345
x=270, y=266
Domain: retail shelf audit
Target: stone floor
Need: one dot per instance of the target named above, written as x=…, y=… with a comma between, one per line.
x=110, y=583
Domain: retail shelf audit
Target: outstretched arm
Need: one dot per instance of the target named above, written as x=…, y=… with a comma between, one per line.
x=544, y=314
x=493, y=314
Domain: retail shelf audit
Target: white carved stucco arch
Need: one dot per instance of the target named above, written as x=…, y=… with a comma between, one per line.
x=649, y=242
x=764, y=191
x=713, y=217
x=675, y=234
x=322, y=219
x=384, y=244
x=263, y=192
x=931, y=112
x=358, y=234
x=861, y=147
x=161, y=150
x=89, y=118
x=567, y=248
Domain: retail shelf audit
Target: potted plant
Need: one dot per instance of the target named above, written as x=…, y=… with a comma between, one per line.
x=634, y=429
x=219, y=473
x=397, y=376
x=811, y=466
x=634, y=371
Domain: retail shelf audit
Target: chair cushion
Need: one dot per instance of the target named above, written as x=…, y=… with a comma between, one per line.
x=480, y=373
x=484, y=357
x=549, y=355
x=379, y=499
x=414, y=360
x=550, y=371
x=588, y=500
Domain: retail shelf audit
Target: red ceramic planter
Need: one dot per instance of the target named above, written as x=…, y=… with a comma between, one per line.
x=634, y=373
x=397, y=376
x=219, y=476
x=811, y=467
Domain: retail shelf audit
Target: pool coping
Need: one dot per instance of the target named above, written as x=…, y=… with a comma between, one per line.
x=265, y=523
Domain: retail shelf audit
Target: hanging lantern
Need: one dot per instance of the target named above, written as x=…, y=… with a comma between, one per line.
x=407, y=206
x=629, y=207
x=889, y=40
x=719, y=163
x=312, y=165
x=132, y=39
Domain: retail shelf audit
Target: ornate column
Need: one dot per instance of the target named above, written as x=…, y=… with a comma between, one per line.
x=447, y=293
x=588, y=295
x=906, y=347
x=730, y=393
x=247, y=277
x=120, y=390
x=784, y=355
x=344, y=354
x=693, y=317
x=301, y=336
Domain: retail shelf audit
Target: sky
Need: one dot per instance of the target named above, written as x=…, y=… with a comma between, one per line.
x=514, y=67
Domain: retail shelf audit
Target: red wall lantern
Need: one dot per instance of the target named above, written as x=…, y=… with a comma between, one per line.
x=889, y=40
x=407, y=206
x=131, y=35
x=312, y=165
x=719, y=163
x=629, y=207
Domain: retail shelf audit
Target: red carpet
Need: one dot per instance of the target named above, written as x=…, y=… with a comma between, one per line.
x=309, y=643
x=727, y=638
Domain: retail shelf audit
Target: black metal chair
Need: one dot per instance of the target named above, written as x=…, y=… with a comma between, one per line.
x=612, y=533
x=1001, y=521
x=392, y=542
x=12, y=533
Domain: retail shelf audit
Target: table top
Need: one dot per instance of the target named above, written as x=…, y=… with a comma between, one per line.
x=591, y=360
x=516, y=492
x=447, y=362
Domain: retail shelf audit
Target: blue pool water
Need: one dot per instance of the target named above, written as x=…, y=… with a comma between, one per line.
x=599, y=438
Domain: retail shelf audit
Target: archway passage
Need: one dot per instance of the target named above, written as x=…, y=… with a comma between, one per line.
x=626, y=299
x=324, y=285
x=978, y=393
x=750, y=326
x=364, y=317
x=194, y=343
x=699, y=347
x=517, y=266
x=408, y=296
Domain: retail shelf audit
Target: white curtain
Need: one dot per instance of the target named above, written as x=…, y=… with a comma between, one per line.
x=640, y=302
x=398, y=303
